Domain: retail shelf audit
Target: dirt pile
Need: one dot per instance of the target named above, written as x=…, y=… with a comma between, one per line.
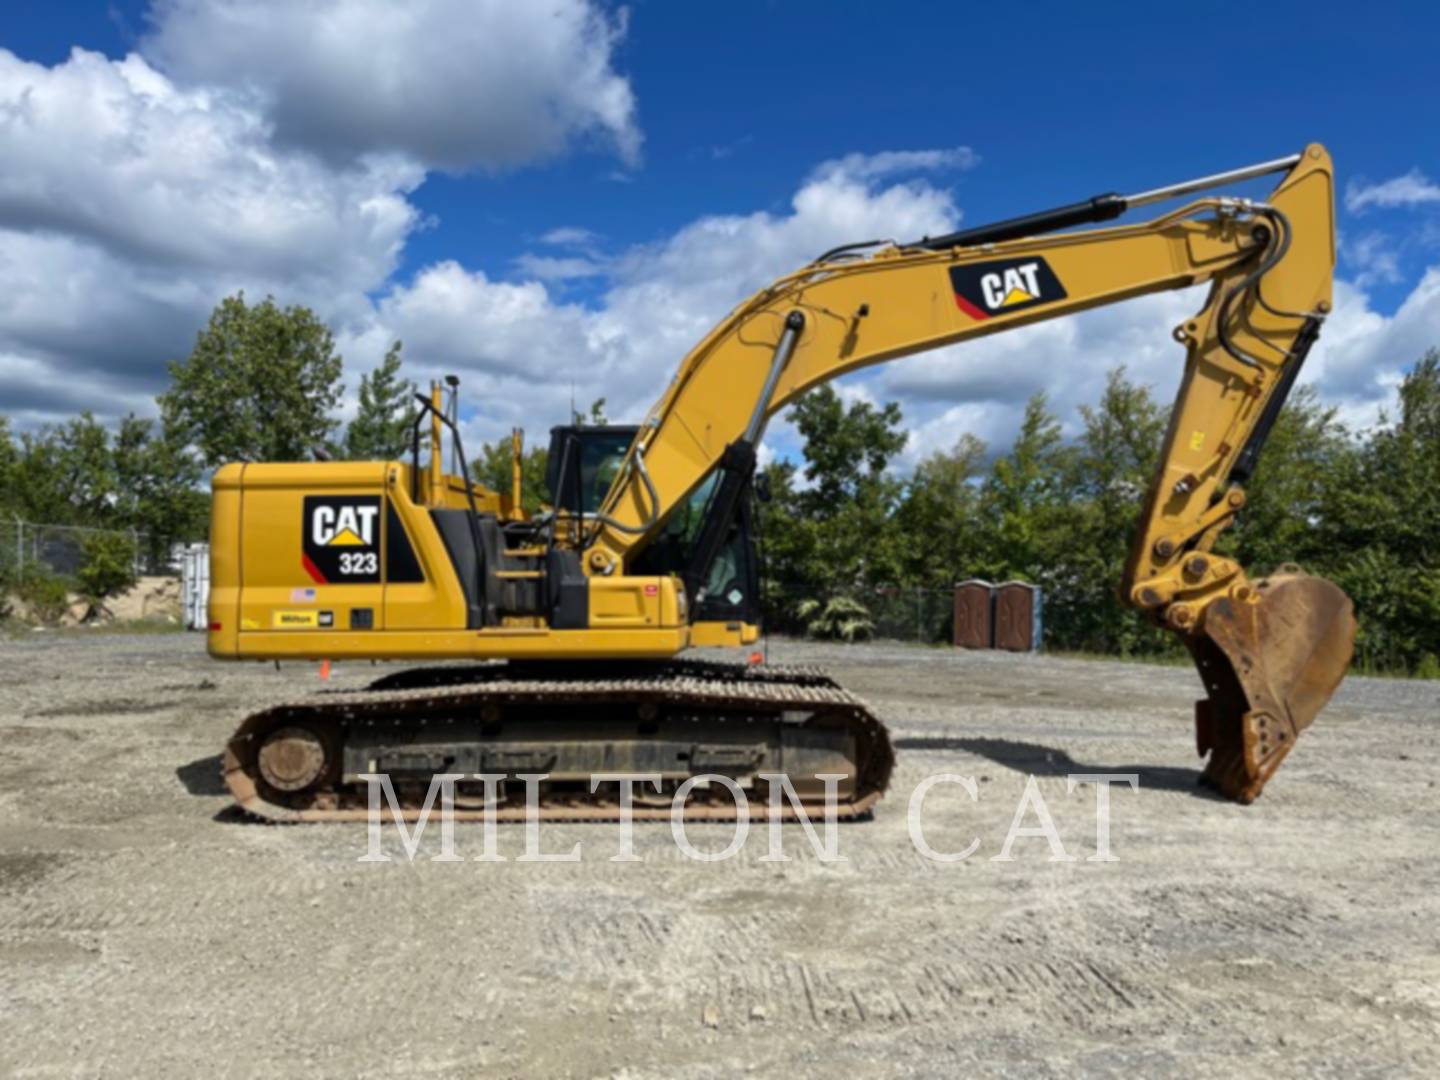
x=150, y=598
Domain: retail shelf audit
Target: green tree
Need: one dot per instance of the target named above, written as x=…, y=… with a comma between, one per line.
x=596, y=418
x=1381, y=523
x=261, y=384
x=108, y=569
x=382, y=425
x=492, y=468
x=9, y=463
x=159, y=489
x=37, y=491
x=10, y=505
x=86, y=469
x=834, y=536
x=788, y=539
x=64, y=474
x=1110, y=471
x=77, y=473
x=1025, y=498
x=846, y=449
x=1405, y=465
x=1307, y=456
x=939, y=515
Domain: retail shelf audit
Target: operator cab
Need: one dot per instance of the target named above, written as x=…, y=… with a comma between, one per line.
x=584, y=461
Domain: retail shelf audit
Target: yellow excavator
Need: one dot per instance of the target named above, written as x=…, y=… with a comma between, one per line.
x=576, y=617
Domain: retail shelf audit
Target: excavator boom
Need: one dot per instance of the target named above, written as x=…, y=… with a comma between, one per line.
x=639, y=558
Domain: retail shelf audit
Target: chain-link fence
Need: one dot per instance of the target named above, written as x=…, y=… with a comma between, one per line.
x=894, y=612
x=29, y=549
x=905, y=613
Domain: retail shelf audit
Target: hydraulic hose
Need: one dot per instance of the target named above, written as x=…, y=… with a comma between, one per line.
x=1277, y=243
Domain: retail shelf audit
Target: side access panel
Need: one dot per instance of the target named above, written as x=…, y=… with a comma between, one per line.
x=310, y=552
x=327, y=548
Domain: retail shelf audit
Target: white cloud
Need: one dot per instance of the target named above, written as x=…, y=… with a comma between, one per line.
x=521, y=349
x=570, y=236
x=1362, y=354
x=116, y=154
x=549, y=268
x=721, y=151
x=1411, y=189
x=454, y=319
x=129, y=205
x=452, y=84
x=712, y=263
x=137, y=192
x=584, y=259
x=893, y=162
x=1374, y=256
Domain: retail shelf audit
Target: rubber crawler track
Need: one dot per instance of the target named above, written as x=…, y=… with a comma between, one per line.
x=459, y=690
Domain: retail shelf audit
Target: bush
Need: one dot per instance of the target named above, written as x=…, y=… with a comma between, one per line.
x=48, y=597
x=840, y=618
x=109, y=566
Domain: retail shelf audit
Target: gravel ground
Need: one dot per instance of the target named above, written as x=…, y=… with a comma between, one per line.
x=145, y=931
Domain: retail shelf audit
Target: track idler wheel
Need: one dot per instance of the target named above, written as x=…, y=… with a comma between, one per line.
x=1271, y=654
x=287, y=766
x=291, y=759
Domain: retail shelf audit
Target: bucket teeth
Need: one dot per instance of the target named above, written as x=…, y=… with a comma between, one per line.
x=1270, y=663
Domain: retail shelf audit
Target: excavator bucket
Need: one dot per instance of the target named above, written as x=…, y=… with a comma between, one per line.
x=1270, y=658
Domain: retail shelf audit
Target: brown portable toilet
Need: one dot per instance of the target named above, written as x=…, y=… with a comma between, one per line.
x=1017, y=616
x=974, y=608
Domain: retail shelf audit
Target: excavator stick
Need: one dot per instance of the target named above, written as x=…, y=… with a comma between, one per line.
x=1270, y=658
x=1271, y=652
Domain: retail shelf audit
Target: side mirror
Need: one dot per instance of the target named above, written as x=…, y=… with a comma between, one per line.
x=762, y=488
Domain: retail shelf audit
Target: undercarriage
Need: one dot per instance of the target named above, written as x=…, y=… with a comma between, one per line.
x=530, y=727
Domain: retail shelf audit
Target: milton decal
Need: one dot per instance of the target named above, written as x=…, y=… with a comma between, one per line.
x=1004, y=286
x=342, y=539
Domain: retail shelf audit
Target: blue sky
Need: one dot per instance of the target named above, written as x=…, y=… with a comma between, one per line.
x=672, y=156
